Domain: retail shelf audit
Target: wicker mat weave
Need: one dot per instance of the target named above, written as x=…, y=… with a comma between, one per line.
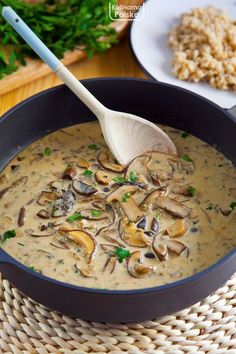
x=207, y=327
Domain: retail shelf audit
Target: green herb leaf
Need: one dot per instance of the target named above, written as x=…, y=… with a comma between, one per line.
x=32, y=268
x=88, y=173
x=184, y=135
x=126, y=197
x=122, y=254
x=95, y=212
x=93, y=147
x=8, y=234
x=192, y=190
x=74, y=217
x=187, y=158
x=47, y=151
x=119, y=179
x=233, y=205
x=132, y=177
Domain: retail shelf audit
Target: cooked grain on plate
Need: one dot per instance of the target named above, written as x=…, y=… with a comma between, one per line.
x=204, y=48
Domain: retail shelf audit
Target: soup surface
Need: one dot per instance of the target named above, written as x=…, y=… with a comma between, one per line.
x=71, y=212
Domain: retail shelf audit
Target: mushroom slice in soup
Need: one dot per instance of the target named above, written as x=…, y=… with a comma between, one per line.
x=107, y=162
x=132, y=235
x=159, y=247
x=45, y=233
x=172, y=206
x=83, y=188
x=176, y=246
x=128, y=204
x=138, y=165
x=43, y=214
x=47, y=197
x=135, y=266
x=85, y=240
x=64, y=205
x=87, y=271
x=103, y=177
x=110, y=264
x=179, y=228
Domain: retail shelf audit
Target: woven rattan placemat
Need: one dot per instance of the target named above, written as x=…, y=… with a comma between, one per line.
x=207, y=327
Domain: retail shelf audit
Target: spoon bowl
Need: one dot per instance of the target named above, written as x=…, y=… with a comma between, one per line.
x=126, y=135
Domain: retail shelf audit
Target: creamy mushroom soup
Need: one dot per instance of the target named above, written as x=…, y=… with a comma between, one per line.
x=71, y=212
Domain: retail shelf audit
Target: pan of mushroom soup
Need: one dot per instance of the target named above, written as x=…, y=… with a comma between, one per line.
x=91, y=238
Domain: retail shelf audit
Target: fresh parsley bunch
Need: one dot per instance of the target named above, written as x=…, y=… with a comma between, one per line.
x=62, y=24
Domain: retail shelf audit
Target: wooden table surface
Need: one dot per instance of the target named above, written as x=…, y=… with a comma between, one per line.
x=118, y=61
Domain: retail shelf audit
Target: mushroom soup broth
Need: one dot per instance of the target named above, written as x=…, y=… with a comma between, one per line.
x=71, y=212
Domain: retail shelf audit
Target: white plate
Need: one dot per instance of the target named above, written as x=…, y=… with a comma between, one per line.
x=149, y=41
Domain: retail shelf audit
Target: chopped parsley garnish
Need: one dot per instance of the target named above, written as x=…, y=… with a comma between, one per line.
x=47, y=151
x=95, y=212
x=132, y=178
x=119, y=180
x=184, y=135
x=121, y=254
x=210, y=207
x=126, y=197
x=93, y=147
x=192, y=190
x=74, y=217
x=187, y=158
x=32, y=268
x=88, y=173
x=233, y=205
x=8, y=234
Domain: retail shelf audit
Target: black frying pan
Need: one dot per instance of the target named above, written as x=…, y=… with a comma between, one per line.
x=161, y=103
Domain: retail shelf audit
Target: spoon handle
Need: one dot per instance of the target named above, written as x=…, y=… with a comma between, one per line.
x=53, y=62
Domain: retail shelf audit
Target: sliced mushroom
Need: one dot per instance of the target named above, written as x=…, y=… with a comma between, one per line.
x=159, y=176
x=108, y=248
x=21, y=217
x=102, y=177
x=172, y=206
x=64, y=205
x=4, y=191
x=45, y=233
x=135, y=266
x=69, y=173
x=159, y=247
x=59, y=243
x=150, y=199
x=176, y=246
x=85, y=240
x=131, y=235
x=46, y=198
x=21, y=180
x=60, y=185
x=179, y=228
x=75, y=160
x=87, y=272
x=130, y=206
x=183, y=190
x=142, y=223
x=43, y=214
x=155, y=225
x=107, y=162
x=83, y=188
x=110, y=264
x=110, y=235
x=139, y=165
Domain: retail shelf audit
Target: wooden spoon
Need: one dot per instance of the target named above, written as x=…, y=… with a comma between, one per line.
x=126, y=135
